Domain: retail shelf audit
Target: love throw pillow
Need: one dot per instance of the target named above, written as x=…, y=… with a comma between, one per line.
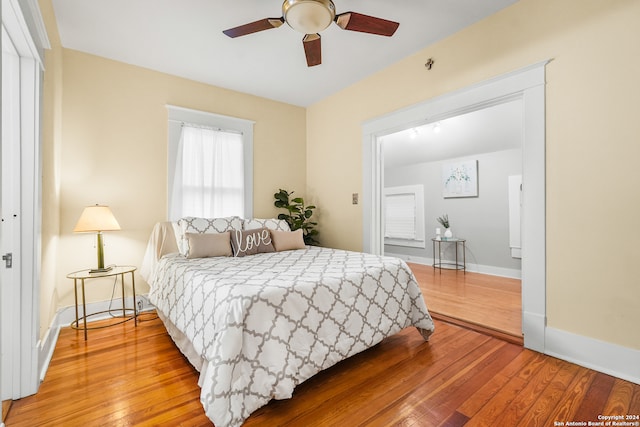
x=251, y=242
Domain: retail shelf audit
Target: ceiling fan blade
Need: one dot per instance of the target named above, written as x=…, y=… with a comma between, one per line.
x=353, y=21
x=254, y=27
x=312, y=49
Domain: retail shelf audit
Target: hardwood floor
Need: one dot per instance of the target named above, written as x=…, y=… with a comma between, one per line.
x=127, y=376
x=491, y=304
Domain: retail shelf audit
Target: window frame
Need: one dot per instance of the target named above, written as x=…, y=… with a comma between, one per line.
x=179, y=115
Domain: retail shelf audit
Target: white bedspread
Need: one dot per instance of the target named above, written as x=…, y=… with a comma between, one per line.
x=265, y=323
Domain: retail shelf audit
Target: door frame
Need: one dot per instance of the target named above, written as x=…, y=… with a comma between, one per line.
x=24, y=24
x=527, y=84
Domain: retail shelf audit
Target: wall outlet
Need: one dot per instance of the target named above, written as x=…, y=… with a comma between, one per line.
x=140, y=304
x=354, y=198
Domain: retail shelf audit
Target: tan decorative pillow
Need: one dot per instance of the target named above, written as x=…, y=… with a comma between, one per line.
x=288, y=240
x=205, y=245
x=251, y=242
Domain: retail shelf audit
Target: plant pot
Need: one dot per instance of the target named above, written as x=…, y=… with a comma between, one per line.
x=447, y=233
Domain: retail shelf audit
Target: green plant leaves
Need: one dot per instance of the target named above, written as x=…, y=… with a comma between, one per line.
x=298, y=216
x=443, y=220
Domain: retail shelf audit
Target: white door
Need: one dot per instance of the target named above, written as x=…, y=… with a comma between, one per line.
x=9, y=210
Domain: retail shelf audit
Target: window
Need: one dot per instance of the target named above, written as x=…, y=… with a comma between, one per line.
x=210, y=165
x=404, y=216
x=209, y=175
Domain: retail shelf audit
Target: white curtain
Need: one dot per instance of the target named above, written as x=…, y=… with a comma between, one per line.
x=209, y=174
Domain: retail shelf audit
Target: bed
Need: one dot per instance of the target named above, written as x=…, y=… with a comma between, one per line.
x=256, y=326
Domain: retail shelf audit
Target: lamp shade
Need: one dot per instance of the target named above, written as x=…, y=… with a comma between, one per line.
x=96, y=218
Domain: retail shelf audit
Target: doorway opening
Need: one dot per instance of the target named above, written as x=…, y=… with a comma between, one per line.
x=464, y=167
x=527, y=85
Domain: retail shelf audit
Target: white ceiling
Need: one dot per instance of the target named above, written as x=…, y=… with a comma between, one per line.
x=184, y=38
x=488, y=130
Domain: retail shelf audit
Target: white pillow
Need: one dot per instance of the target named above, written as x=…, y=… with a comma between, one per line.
x=205, y=225
x=270, y=223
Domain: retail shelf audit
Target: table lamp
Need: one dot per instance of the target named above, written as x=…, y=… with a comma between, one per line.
x=97, y=219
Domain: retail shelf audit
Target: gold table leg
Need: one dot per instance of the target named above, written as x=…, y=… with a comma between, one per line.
x=84, y=310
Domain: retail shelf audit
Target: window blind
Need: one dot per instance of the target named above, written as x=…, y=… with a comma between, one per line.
x=400, y=216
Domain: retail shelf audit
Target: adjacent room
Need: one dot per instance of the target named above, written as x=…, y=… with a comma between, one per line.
x=318, y=212
x=466, y=169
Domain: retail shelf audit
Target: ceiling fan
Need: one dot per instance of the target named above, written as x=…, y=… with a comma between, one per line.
x=312, y=16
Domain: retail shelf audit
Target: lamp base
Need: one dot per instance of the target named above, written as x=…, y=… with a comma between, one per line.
x=100, y=270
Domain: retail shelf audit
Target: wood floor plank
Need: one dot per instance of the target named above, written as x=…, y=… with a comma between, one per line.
x=540, y=412
x=470, y=382
x=454, y=420
x=619, y=399
x=569, y=403
x=438, y=399
x=494, y=408
x=427, y=389
x=520, y=406
x=472, y=405
x=597, y=396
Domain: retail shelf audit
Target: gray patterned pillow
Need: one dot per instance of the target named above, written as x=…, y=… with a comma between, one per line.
x=205, y=225
x=251, y=242
x=270, y=223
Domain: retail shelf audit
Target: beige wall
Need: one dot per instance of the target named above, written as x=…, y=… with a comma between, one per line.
x=593, y=200
x=105, y=141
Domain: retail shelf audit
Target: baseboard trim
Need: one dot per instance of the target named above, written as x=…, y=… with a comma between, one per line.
x=46, y=347
x=608, y=358
x=66, y=315
x=533, y=329
x=472, y=268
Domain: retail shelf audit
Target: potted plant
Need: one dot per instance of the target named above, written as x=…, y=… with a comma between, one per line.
x=298, y=215
x=444, y=221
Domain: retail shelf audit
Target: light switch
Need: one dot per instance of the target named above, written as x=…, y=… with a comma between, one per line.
x=354, y=198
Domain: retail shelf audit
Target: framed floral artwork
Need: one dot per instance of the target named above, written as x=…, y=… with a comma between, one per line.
x=460, y=179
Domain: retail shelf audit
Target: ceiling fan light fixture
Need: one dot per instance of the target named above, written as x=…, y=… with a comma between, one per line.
x=308, y=16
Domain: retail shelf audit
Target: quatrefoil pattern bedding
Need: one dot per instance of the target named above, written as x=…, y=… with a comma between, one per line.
x=265, y=323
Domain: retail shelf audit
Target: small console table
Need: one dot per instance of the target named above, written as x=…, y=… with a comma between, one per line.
x=457, y=264
x=79, y=277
